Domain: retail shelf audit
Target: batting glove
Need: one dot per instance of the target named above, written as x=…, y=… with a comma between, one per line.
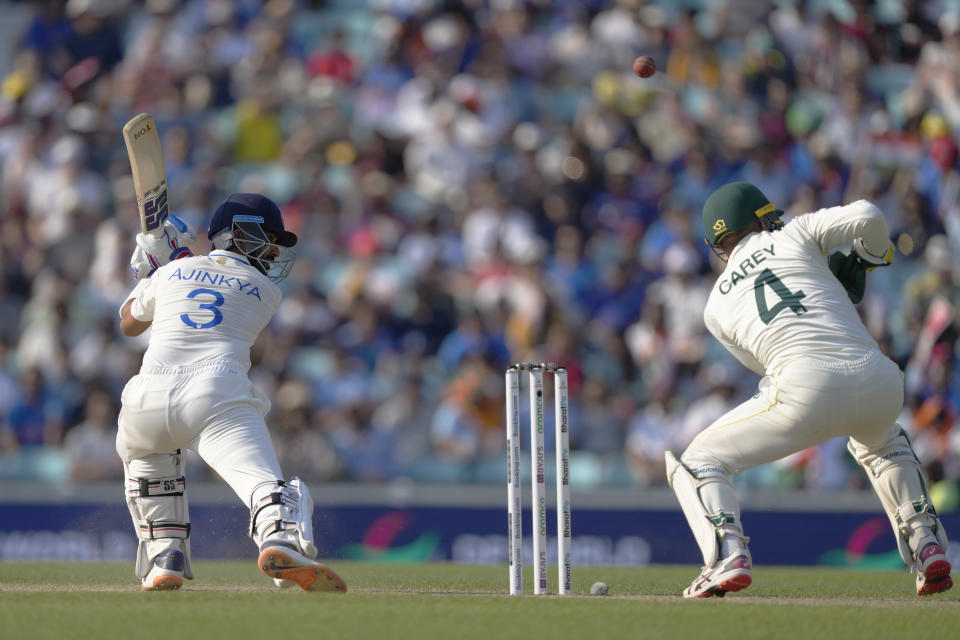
x=873, y=261
x=153, y=252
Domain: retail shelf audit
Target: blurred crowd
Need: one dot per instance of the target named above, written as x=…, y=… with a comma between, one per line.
x=474, y=183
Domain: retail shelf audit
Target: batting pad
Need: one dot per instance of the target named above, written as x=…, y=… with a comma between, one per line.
x=157, y=500
x=283, y=510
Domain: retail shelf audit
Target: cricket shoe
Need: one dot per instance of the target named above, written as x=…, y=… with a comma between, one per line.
x=730, y=574
x=282, y=562
x=933, y=570
x=166, y=573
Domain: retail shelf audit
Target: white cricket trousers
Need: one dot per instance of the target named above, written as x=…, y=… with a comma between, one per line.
x=806, y=403
x=211, y=408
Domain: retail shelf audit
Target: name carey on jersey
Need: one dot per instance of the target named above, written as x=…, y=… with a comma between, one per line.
x=218, y=280
x=744, y=268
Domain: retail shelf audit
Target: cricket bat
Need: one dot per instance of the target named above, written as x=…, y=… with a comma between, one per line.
x=149, y=173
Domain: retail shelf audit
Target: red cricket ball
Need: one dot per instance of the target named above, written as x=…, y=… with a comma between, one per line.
x=644, y=66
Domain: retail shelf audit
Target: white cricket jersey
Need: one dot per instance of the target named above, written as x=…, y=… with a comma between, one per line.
x=204, y=308
x=777, y=299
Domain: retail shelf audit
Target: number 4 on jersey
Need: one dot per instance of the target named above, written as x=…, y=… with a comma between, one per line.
x=788, y=299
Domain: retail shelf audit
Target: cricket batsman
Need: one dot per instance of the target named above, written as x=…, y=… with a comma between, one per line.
x=784, y=309
x=193, y=392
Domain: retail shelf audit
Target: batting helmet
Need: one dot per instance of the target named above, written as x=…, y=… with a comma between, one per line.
x=246, y=207
x=251, y=224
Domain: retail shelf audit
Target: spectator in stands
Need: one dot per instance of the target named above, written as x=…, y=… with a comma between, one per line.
x=36, y=418
x=88, y=444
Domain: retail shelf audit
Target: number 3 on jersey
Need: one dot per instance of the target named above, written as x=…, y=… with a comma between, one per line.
x=206, y=306
x=788, y=299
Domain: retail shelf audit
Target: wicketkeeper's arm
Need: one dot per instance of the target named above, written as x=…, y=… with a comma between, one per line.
x=859, y=223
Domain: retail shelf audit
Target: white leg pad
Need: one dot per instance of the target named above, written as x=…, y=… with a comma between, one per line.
x=283, y=511
x=157, y=499
x=895, y=474
x=710, y=506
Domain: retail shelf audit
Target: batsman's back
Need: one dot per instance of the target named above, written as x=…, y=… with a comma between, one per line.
x=207, y=307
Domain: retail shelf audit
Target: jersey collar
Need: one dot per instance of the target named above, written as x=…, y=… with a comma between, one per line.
x=739, y=245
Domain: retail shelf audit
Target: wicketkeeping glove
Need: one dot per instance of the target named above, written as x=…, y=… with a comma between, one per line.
x=851, y=271
x=872, y=260
x=153, y=252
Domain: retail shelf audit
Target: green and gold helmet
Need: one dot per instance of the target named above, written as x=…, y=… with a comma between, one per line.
x=734, y=206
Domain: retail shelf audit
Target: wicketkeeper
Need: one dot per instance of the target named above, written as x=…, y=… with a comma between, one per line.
x=783, y=307
x=193, y=392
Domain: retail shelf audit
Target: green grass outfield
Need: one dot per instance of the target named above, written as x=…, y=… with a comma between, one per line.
x=233, y=600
